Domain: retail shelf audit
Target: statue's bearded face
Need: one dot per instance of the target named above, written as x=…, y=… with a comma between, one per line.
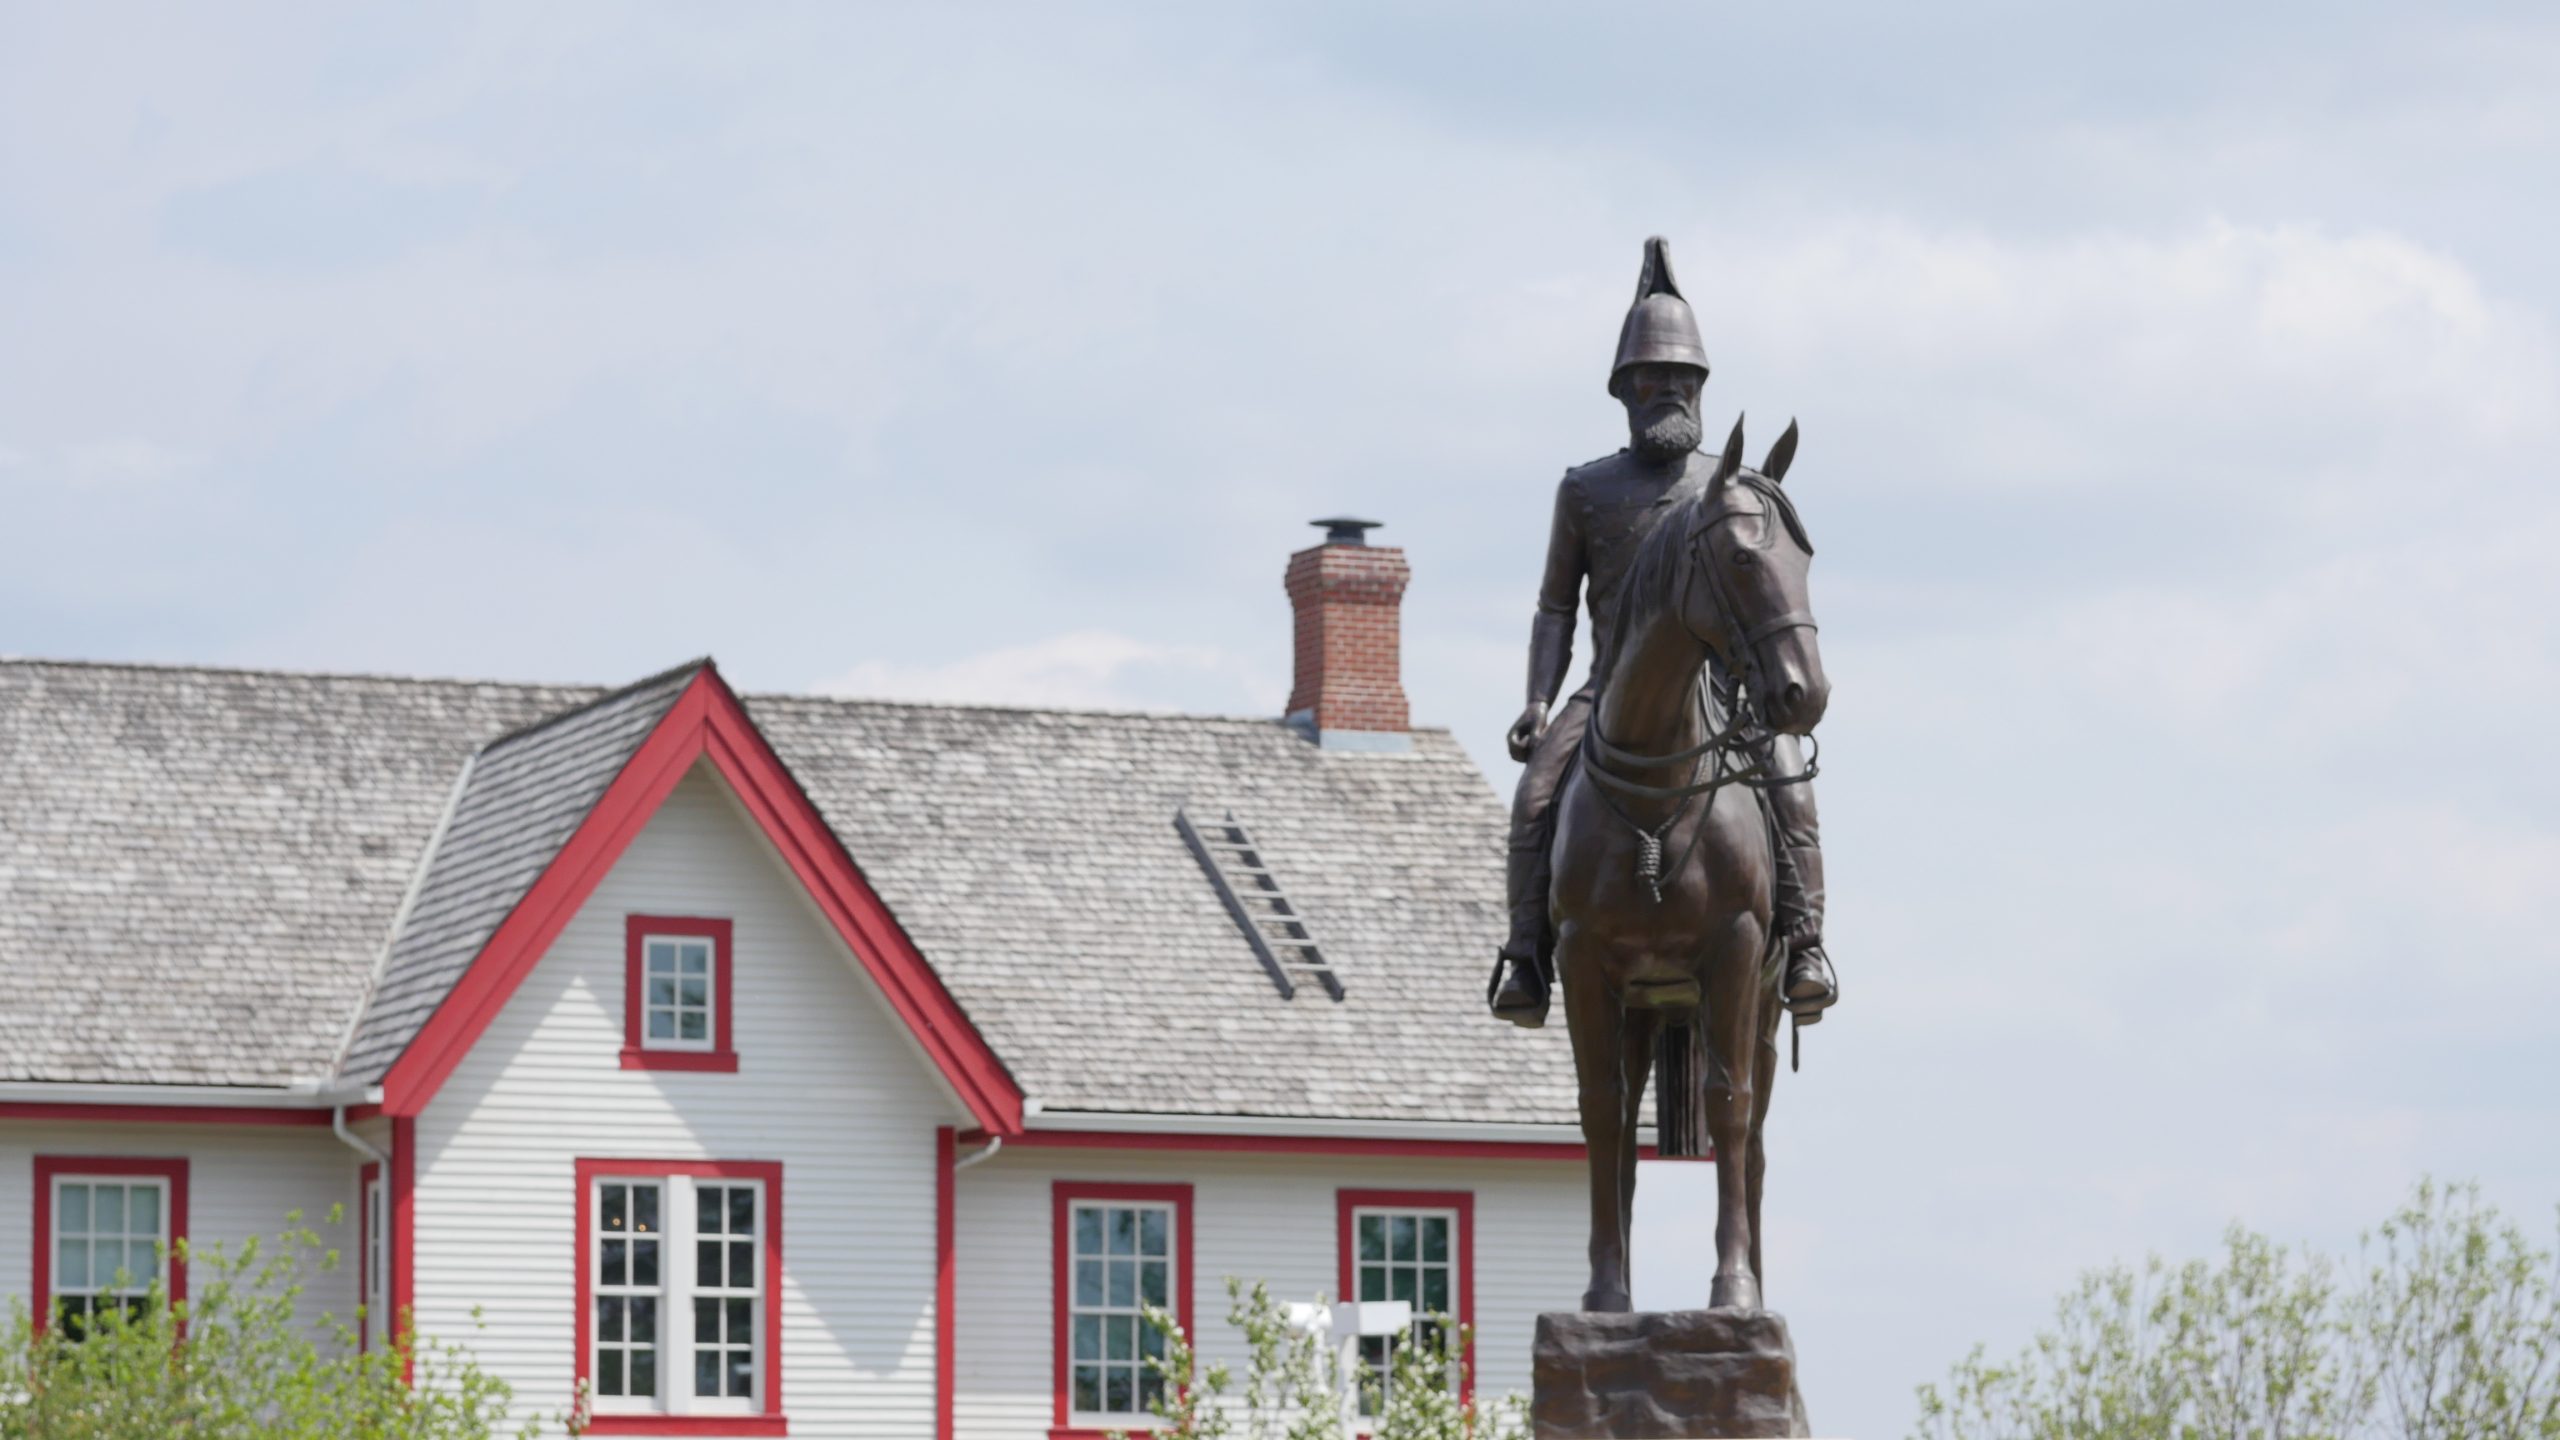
x=1662, y=408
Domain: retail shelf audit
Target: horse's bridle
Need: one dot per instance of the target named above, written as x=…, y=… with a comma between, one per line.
x=1745, y=735
x=1745, y=739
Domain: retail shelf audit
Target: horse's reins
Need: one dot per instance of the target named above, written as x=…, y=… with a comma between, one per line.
x=1745, y=736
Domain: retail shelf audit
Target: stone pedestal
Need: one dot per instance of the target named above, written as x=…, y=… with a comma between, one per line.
x=1675, y=1375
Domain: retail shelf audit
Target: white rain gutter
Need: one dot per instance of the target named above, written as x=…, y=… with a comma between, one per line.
x=1511, y=1132
x=302, y=1094
x=362, y=1146
x=994, y=1144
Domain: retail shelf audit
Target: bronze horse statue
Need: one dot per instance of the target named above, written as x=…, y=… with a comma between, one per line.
x=1664, y=862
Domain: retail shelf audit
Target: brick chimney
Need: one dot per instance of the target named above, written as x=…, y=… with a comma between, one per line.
x=1348, y=596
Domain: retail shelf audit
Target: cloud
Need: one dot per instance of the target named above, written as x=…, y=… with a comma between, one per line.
x=2276, y=357
x=125, y=460
x=1082, y=669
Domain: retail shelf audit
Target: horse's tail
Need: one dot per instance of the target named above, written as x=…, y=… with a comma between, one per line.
x=1681, y=1062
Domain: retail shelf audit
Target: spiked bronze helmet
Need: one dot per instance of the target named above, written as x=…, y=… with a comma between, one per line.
x=1659, y=326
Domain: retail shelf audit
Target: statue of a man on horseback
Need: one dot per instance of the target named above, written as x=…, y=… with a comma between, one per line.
x=1665, y=870
x=1601, y=510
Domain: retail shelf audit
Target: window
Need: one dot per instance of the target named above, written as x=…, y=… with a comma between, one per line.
x=1118, y=1248
x=373, y=1251
x=1417, y=1246
x=106, y=1228
x=676, y=994
x=677, y=1266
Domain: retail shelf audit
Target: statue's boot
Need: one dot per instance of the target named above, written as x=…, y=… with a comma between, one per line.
x=1523, y=976
x=1810, y=986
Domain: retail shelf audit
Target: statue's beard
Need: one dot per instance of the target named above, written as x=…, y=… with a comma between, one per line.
x=1669, y=437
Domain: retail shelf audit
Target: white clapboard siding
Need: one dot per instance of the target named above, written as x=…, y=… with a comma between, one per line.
x=242, y=1180
x=829, y=1084
x=1266, y=1217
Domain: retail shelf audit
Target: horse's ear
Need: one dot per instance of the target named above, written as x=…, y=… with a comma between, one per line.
x=1731, y=461
x=1781, y=455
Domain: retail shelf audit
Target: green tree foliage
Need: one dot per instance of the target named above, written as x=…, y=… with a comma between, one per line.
x=2447, y=1328
x=1292, y=1384
x=237, y=1360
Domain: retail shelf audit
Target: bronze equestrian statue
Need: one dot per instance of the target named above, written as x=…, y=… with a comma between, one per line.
x=1601, y=510
x=1665, y=839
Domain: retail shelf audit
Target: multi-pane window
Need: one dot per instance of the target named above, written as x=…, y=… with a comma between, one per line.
x=109, y=1236
x=376, y=1277
x=629, y=1288
x=724, y=1288
x=1120, y=1257
x=679, y=1280
x=1408, y=1255
x=677, y=994
x=676, y=1001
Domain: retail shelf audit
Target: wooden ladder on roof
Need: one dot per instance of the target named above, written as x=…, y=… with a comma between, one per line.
x=1261, y=908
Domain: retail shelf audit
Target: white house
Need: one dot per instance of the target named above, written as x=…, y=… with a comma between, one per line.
x=778, y=1065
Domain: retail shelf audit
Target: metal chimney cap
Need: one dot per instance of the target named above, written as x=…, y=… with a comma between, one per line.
x=1344, y=530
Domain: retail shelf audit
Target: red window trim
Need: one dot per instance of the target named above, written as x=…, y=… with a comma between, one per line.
x=366, y=1174
x=722, y=1057
x=772, y=1421
x=1348, y=1202
x=1063, y=1195
x=50, y=1167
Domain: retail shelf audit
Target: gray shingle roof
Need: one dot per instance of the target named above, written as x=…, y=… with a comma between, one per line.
x=197, y=867
x=198, y=870
x=522, y=798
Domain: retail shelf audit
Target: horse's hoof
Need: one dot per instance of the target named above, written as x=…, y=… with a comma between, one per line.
x=1734, y=1292
x=1607, y=1302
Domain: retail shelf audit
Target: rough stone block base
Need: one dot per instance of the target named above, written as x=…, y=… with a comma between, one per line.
x=1675, y=1375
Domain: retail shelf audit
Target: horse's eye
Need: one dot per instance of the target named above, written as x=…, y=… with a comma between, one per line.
x=1745, y=557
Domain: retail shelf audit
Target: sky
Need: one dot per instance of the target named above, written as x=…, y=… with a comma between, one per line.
x=2180, y=391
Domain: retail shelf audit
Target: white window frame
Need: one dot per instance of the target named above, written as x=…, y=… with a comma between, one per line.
x=1108, y=1313
x=678, y=1009
x=1381, y=1368
x=675, y=1293
x=377, y=1262
x=93, y=1287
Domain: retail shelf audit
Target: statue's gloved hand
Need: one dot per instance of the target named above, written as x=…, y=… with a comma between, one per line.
x=1526, y=730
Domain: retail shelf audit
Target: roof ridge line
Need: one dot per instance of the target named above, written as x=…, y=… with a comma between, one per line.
x=698, y=663
x=1003, y=707
x=604, y=693
x=274, y=672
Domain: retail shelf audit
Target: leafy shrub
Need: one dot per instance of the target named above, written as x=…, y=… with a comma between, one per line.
x=2448, y=1330
x=1293, y=1384
x=235, y=1361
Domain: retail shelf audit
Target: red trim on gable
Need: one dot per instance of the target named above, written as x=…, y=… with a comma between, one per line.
x=1347, y=1203
x=537, y=920
x=1371, y=1145
x=365, y=1176
x=946, y=1182
x=707, y=720
x=160, y=1114
x=50, y=1167
x=765, y=786
x=722, y=1057
x=1063, y=1195
x=772, y=1421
